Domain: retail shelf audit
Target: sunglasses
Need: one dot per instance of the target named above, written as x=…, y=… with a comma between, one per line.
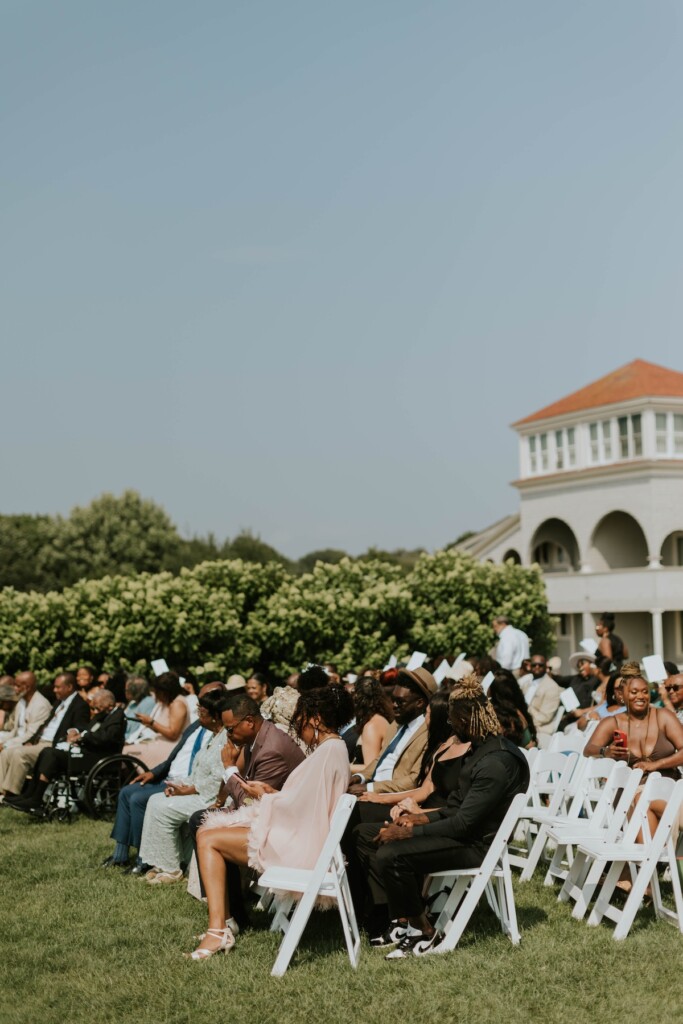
x=674, y=688
x=537, y=664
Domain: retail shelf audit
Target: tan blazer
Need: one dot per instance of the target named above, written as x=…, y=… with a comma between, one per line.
x=38, y=711
x=406, y=768
x=544, y=705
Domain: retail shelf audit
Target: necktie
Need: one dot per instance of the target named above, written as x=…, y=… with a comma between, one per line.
x=196, y=748
x=391, y=748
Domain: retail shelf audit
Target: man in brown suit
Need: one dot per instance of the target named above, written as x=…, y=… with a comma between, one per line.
x=395, y=770
x=398, y=764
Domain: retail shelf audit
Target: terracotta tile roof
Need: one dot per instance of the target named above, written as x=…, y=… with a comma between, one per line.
x=638, y=379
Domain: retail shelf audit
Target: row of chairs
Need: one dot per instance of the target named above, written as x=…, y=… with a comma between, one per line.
x=576, y=809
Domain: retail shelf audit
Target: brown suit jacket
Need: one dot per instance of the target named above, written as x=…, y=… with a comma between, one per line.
x=406, y=768
x=272, y=759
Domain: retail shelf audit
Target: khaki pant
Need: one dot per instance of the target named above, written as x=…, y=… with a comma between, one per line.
x=16, y=763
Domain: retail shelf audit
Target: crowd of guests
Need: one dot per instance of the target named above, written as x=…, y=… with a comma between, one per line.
x=241, y=776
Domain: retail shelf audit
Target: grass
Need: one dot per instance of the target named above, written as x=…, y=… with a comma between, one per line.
x=81, y=944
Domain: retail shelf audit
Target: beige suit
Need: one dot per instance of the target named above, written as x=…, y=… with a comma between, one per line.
x=38, y=711
x=407, y=767
x=543, y=708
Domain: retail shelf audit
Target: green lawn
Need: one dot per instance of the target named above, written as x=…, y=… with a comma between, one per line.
x=81, y=944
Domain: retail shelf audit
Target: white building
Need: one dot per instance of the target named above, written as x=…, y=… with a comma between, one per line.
x=601, y=509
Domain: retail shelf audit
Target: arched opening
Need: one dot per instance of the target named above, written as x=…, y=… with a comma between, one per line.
x=618, y=543
x=555, y=547
x=672, y=549
x=512, y=556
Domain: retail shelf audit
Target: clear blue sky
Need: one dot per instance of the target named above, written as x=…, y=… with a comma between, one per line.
x=296, y=266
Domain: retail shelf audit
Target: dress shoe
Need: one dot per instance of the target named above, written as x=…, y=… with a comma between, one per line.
x=137, y=870
x=109, y=862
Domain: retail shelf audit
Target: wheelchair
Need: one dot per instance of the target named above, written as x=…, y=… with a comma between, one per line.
x=94, y=792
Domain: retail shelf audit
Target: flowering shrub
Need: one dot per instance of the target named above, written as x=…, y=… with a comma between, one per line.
x=235, y=615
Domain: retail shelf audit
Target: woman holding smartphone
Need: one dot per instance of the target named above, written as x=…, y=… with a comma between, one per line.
x=645, y=737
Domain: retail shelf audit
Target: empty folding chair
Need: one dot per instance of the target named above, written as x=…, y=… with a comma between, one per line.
x=328, y=878
x=583, y=801
x=546, y=799
x=602, y=812
x=467, y=885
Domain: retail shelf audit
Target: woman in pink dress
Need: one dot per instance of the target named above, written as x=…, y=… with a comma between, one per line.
x=162, y=728
x=287, y=827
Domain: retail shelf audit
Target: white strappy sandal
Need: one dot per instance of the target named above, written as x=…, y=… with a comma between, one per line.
x=227, y=942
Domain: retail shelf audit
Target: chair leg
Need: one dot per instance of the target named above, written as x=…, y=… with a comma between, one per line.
x=458, y=923
x=294, y=932
x=348, y=920
x=535, y=854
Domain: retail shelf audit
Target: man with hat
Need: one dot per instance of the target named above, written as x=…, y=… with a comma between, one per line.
x=582, y=682
x=398, y=764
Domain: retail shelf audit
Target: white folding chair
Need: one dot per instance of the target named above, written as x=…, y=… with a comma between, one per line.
x=328, y=878
x=578, y=800
x=604, y=811
x=546, y=799
x=642, y=860
x=467, y=885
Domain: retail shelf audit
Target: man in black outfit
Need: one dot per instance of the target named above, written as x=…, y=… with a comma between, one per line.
x=398, y=856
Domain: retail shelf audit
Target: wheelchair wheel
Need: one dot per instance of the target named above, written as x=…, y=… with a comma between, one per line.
x=104, y=781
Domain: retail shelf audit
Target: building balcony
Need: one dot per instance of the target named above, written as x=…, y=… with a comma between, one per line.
x=617, y=590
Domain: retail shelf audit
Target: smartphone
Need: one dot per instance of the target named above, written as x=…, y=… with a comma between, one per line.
x=620, y=739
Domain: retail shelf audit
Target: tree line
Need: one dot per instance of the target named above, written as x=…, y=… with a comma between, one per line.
x=127, y=534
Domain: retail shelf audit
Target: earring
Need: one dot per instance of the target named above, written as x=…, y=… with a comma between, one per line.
x=315, y=733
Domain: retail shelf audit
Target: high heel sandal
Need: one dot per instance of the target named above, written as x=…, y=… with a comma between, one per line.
x=226, y=944
x=230, y=923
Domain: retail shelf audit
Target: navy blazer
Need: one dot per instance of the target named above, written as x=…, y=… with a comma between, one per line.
x=162, y=770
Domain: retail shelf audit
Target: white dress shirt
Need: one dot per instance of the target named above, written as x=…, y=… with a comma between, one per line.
x=50, y=730
x=511, y=650
x=386, y=769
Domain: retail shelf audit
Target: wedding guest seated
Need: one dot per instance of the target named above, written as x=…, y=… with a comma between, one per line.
x=543, y=697
x=86, y=680
x=80, y=751
x=455, y=836
x=133, y=799
x=162, y=728
x=287, y=827
x=140, y=702
x=32, y=710
x=258, y=687
x=280, y=707
x=68, y=713
x=397, y=766
x=671, y=694
x=8, y=703
x=257, y=758
x=611, y=705
x=439, y=770
x=165, y=840
x=373, y=715
x=645, y=737
x=511, y=709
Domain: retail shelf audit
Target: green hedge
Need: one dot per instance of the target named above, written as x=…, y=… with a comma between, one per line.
x=240, y=616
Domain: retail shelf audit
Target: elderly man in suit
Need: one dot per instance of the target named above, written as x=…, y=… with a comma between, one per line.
x=70, y=712
x=80, y=751
x=32, y=711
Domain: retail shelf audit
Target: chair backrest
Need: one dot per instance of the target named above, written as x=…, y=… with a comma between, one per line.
x=567, y=743
x=338, y=823
x=591, y=787
x=655, y=788
x=502, y=837
x=550, y=775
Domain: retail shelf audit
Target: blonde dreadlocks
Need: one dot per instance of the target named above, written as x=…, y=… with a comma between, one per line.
x=467, y=697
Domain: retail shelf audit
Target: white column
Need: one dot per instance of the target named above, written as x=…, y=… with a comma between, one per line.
x=588, y=625
x=654, y=561
x=657, y=632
